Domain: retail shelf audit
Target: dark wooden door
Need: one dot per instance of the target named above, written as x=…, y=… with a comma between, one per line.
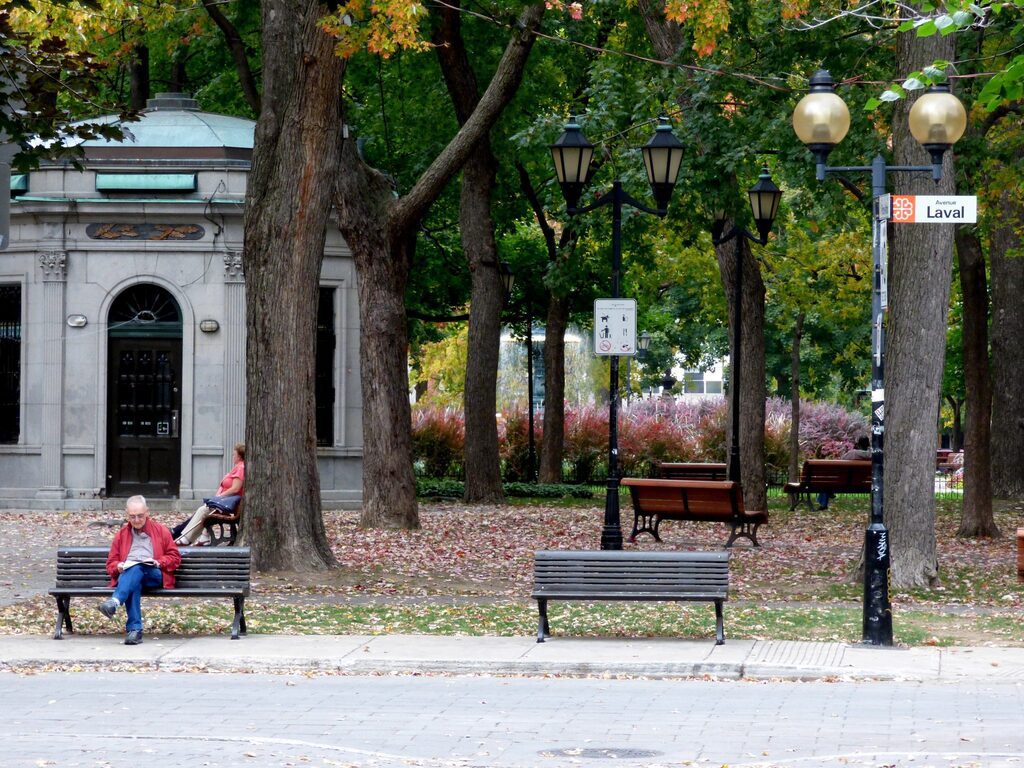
x=144, y=417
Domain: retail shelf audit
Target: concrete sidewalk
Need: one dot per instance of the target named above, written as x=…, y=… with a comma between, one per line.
x=414, y=654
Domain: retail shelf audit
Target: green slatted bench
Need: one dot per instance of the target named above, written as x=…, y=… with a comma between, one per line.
x=630, y=576
x=204, y=572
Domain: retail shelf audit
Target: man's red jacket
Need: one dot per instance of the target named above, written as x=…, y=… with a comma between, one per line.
x=165, y=551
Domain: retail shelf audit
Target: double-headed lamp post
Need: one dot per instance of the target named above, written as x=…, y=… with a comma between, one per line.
x=821, y=120
x=764, y=204
x=573, y=154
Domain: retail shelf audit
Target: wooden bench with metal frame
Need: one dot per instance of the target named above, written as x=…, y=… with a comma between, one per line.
x=218, y=519
x=701, y=500
x=204, y=572
x=832, y=476
x=630, y=576
x=672, y=470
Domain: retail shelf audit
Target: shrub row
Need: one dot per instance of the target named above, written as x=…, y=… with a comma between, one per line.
x=454, y=489
x=649, y=430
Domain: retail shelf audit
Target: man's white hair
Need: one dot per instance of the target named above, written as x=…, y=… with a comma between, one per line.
x=137, y=499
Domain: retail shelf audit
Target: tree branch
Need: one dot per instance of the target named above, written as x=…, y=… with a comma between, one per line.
x=410, y=208
x=237, y=47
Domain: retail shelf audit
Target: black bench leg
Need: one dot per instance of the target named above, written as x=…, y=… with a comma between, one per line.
x=543, y=628
x=719, y=624
x=238, y=625
x=642, y=524
x=63, y=616
x=743, y=530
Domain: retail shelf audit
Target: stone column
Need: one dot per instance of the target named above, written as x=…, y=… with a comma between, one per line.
x=234, y=352
x=53, y=265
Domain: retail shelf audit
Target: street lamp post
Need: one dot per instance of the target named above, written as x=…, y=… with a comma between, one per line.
x=764, y=204
x=821, y=120
x=572, y=155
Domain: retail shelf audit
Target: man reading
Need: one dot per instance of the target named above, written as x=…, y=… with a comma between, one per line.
x=142, y=556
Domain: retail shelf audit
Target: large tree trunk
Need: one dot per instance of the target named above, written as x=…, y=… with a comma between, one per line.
x=552, y=441
x=752, y=373
x=1007, y=349
x=139, y=80
x=297, y=138
x=476, y=227
x=919, y=279
x=794, y=378
x=976, y=519
x=380, y=230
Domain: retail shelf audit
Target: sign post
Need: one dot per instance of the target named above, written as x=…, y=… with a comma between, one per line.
x=614, y=327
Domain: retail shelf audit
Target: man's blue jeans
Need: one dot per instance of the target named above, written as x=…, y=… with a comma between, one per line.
x=129, y=591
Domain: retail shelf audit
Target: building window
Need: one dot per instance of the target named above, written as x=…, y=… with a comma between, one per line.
x=325, y=344
x=10, y=363
x=693, y=383
x=712, y=387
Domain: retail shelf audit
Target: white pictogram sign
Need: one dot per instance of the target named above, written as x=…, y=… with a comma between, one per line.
x=615, y=327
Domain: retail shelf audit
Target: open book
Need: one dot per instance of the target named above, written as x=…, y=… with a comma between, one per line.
x=131, y=563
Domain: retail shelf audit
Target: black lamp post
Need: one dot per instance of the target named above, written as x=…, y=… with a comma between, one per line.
x=572, y=154
x=821, y=120
x=764, y=204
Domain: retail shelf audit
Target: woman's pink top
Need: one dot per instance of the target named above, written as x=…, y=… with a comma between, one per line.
x=236, y=471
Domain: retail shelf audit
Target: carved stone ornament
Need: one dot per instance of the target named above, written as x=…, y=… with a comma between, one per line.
x=54, y=265
x=145, y=231
x=233, y=267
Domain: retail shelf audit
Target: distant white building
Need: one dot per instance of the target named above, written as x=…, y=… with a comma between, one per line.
x=701, y=385
x=122, y=321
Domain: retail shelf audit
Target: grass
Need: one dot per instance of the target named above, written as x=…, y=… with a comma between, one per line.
x=468, y=570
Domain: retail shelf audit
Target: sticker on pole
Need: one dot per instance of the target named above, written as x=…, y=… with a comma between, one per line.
x=934, y=209
x=614, y=327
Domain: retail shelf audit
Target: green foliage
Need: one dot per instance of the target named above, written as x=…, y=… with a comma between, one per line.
x=438, y=438
x=454, y=489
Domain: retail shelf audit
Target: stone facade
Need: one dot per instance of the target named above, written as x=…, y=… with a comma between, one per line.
x=152, y=221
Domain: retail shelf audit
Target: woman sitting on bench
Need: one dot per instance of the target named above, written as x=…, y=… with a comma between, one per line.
x=861, y=450
x=193, y=531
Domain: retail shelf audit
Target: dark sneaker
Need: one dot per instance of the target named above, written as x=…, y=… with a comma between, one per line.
x=108, y=607
x=134, y=637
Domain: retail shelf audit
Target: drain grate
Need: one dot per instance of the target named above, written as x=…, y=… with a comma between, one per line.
x=609, y=753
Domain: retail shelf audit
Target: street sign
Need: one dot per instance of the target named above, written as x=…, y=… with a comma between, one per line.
x=615, y=327
x=934, y=209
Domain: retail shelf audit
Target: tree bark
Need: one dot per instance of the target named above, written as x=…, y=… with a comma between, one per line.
x=238, y=54
x=476, y=226
x=552, y=446
x=380, y=230
x=1007, y=349
x=976, y=519
x=919, y=279
x=552, y=441
x=139, y=83
x=794, y=378
x=286, y=212
x=752, y=373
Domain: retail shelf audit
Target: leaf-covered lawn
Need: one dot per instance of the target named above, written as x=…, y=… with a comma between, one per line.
x=468, y=570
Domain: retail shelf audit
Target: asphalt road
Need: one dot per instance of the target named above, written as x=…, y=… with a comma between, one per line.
x=117, y=719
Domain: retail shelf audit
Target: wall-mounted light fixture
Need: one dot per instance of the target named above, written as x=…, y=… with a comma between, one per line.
x=209, y=325
x=77, y=321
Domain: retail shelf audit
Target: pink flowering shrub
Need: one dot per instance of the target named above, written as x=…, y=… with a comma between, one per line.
x=438, y=437
x=653, y=429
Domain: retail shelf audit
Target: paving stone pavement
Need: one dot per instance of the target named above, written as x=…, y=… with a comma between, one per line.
x=172, y=719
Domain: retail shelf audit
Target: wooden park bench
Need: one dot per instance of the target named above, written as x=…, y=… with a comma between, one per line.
x=829, y=476
x=629, y=576
x=700, y=500
x=204, y=572
x=218, y=520
x=670, y=470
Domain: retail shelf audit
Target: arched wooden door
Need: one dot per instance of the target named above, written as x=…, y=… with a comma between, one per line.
x=144, y=393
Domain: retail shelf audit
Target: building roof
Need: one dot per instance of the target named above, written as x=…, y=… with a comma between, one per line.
x=171, y=125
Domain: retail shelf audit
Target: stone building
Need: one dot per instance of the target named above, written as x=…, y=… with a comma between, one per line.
x=122, y=322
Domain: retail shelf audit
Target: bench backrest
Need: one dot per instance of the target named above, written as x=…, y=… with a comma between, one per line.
x=688, y=471
x=604, y=571
x=201, y=568
x=851, y=473
x=722, y=498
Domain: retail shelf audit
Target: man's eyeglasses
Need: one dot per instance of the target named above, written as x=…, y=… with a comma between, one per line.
x=137, y=517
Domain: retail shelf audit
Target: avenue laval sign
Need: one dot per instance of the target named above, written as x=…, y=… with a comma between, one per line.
x=934, y=209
